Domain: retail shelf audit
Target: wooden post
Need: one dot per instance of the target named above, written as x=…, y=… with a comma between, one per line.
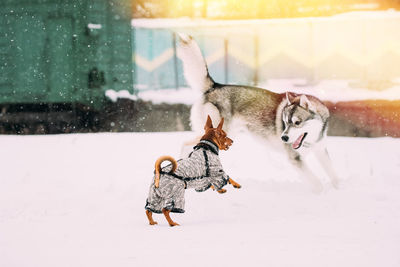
x=226, y=61
x=175, y=61
x=256, y=59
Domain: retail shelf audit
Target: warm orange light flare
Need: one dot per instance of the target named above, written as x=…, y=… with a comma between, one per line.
x=239, y=9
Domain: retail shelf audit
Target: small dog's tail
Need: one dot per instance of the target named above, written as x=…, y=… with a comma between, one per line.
x=159, y=161
x=194, y=65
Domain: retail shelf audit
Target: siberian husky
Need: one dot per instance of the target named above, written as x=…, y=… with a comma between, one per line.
x=296, y=124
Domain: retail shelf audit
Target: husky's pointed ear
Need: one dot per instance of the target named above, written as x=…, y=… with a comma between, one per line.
x=306, y=103
x=208, y=123
x=289, y=98
x=221, y=123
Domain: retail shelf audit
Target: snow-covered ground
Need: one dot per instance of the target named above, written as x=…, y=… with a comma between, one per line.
x=77, y=200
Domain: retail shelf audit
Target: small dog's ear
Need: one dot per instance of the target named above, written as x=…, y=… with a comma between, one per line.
x=208, y=123
x=221, y=123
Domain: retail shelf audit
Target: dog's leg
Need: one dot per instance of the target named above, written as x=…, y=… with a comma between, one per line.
x=309, y=175
x=170, y=221
x=326, y=163
x=305, y=171
x=234, y=184
x=221, y=191
x=150, y=217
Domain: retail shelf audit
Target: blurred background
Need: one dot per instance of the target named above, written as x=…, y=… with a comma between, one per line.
x=111, y=66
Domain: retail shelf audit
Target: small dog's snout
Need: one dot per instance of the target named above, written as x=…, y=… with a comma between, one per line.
x=285, y=138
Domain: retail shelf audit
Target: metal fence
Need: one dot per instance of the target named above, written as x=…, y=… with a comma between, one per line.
x=363, y=47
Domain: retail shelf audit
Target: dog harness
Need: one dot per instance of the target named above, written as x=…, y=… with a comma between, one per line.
x=200, y=171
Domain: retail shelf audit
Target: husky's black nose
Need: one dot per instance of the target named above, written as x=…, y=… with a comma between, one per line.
x=285, y=138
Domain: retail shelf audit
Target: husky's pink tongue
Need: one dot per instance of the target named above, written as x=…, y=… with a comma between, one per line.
x=296, y=144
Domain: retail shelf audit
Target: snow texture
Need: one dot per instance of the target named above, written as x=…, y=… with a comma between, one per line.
x=78, y=200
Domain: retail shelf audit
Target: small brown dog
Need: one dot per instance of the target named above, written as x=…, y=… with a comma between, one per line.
x=201, y=170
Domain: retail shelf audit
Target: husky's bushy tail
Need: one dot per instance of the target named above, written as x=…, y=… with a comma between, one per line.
x=197, y=77
x=194, y=65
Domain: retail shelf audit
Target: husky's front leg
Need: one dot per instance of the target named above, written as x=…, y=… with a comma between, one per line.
x=326, y=163
x=305, y=171
x=307, y=174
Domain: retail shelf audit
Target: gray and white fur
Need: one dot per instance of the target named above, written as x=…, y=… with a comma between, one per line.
x=290, y=122
x=201, y=170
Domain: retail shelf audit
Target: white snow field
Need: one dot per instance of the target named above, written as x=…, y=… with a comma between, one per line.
x=78, y=200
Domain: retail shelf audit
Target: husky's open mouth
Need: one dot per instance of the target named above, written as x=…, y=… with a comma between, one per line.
x=299, y=141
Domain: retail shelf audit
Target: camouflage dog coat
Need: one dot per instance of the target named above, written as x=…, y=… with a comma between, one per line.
x=199, y=171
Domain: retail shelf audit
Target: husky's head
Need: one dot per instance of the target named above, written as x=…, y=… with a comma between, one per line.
x=304, y=126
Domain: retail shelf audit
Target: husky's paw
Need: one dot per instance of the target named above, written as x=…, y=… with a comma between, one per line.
x=317, y=189
x=336, y=184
